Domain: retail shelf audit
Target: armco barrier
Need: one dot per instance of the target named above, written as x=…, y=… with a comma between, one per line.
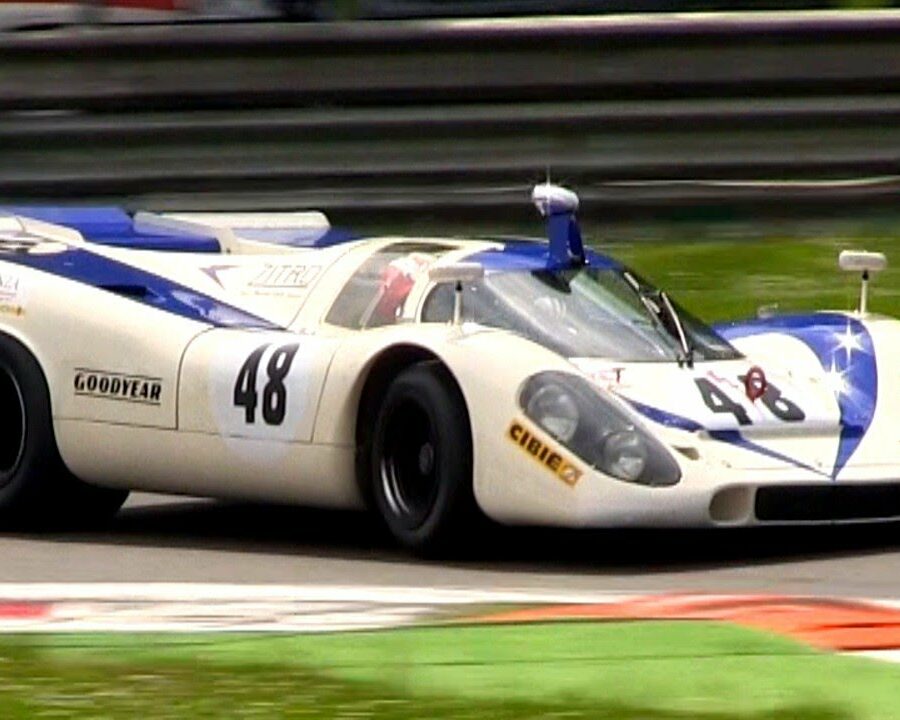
x=780, y=112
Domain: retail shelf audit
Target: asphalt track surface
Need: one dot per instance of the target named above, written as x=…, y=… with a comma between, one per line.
x=163, y=539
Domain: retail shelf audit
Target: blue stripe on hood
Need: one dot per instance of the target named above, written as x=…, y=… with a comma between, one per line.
x=844, y=348
x=732, y=437
x=137, y=285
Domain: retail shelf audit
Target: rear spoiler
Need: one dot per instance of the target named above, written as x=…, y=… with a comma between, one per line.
x=20, y=229
x=241, y=232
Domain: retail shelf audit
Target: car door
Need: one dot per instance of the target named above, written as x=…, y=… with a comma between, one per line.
x=250, y=386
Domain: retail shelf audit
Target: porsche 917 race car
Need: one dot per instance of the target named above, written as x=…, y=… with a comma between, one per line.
x=271, y=357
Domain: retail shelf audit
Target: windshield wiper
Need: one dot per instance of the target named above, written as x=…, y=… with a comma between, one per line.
x=688, y=357
x=655, y=303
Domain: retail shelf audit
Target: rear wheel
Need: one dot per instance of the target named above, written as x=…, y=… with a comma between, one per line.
x=36, y=489
x=421, y=460
x=12, y=437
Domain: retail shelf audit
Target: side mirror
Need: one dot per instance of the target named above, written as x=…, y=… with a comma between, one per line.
x=558, y=205
x=865, y=263
x=861, y=261
x=553, y=200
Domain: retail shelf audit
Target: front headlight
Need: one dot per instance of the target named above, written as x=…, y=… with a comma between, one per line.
x=625, y=454
x=574, y=412
x=555, y=410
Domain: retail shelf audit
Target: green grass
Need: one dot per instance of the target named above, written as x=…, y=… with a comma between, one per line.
x=649, y=670
x=727, y=279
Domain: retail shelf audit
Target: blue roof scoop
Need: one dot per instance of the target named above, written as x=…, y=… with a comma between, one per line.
x=558, y=205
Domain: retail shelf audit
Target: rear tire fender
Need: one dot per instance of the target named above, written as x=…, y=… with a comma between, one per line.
x=36, y=488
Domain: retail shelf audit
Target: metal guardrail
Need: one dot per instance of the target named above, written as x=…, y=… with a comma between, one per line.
x=781, y=112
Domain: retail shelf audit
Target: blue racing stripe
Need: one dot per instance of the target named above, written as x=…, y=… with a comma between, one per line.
x=845, y=350
x=663, y=417
x=137, y=285
x=732, y=437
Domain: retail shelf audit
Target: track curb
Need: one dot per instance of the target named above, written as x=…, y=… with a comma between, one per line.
x=861, y=626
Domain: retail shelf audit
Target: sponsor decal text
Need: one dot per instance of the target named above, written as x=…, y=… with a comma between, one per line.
x=537, y=448
x=11, y=295
x=278, y=277
x=118, y=386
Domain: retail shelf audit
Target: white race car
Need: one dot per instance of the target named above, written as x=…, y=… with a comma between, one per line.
x=270, y=357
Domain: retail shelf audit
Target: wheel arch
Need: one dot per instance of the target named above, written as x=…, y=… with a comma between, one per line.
x=18, y=337
x=14, y=333
x=47, y=374
x=40, y=488
x=382, y=369
x=48, y=371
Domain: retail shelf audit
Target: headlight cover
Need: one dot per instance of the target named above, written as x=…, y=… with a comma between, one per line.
x=555, y=409
x=574, y=412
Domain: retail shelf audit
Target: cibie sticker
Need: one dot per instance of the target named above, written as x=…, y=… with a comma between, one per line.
x=543, y=453
x=12, y=294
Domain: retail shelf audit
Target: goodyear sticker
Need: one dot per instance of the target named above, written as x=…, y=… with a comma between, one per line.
x=543, y=453
x=118, y=386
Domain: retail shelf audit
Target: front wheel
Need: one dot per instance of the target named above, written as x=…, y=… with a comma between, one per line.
x=421, y=460
x=36, y=489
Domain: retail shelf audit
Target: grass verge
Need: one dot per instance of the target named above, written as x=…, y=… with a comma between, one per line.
x=648, y=670
x=730, y=279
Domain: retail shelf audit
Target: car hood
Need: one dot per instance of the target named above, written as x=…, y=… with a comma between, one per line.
x=832, y=408
x=794, y=426
x=713, y=396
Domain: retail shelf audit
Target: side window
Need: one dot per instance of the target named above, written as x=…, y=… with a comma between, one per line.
x=480, y=305
x=438, y=305
x=376, y=293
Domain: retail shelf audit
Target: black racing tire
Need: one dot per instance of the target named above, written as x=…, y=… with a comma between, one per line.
x=36, y=489
x=421, y=461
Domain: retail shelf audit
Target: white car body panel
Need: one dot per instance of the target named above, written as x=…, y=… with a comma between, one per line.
x=144, y=397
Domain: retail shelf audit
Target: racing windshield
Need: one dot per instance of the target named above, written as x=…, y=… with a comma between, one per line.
x=584, y=312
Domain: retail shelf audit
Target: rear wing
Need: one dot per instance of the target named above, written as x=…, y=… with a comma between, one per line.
x=242, y=233
x=18, y=232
